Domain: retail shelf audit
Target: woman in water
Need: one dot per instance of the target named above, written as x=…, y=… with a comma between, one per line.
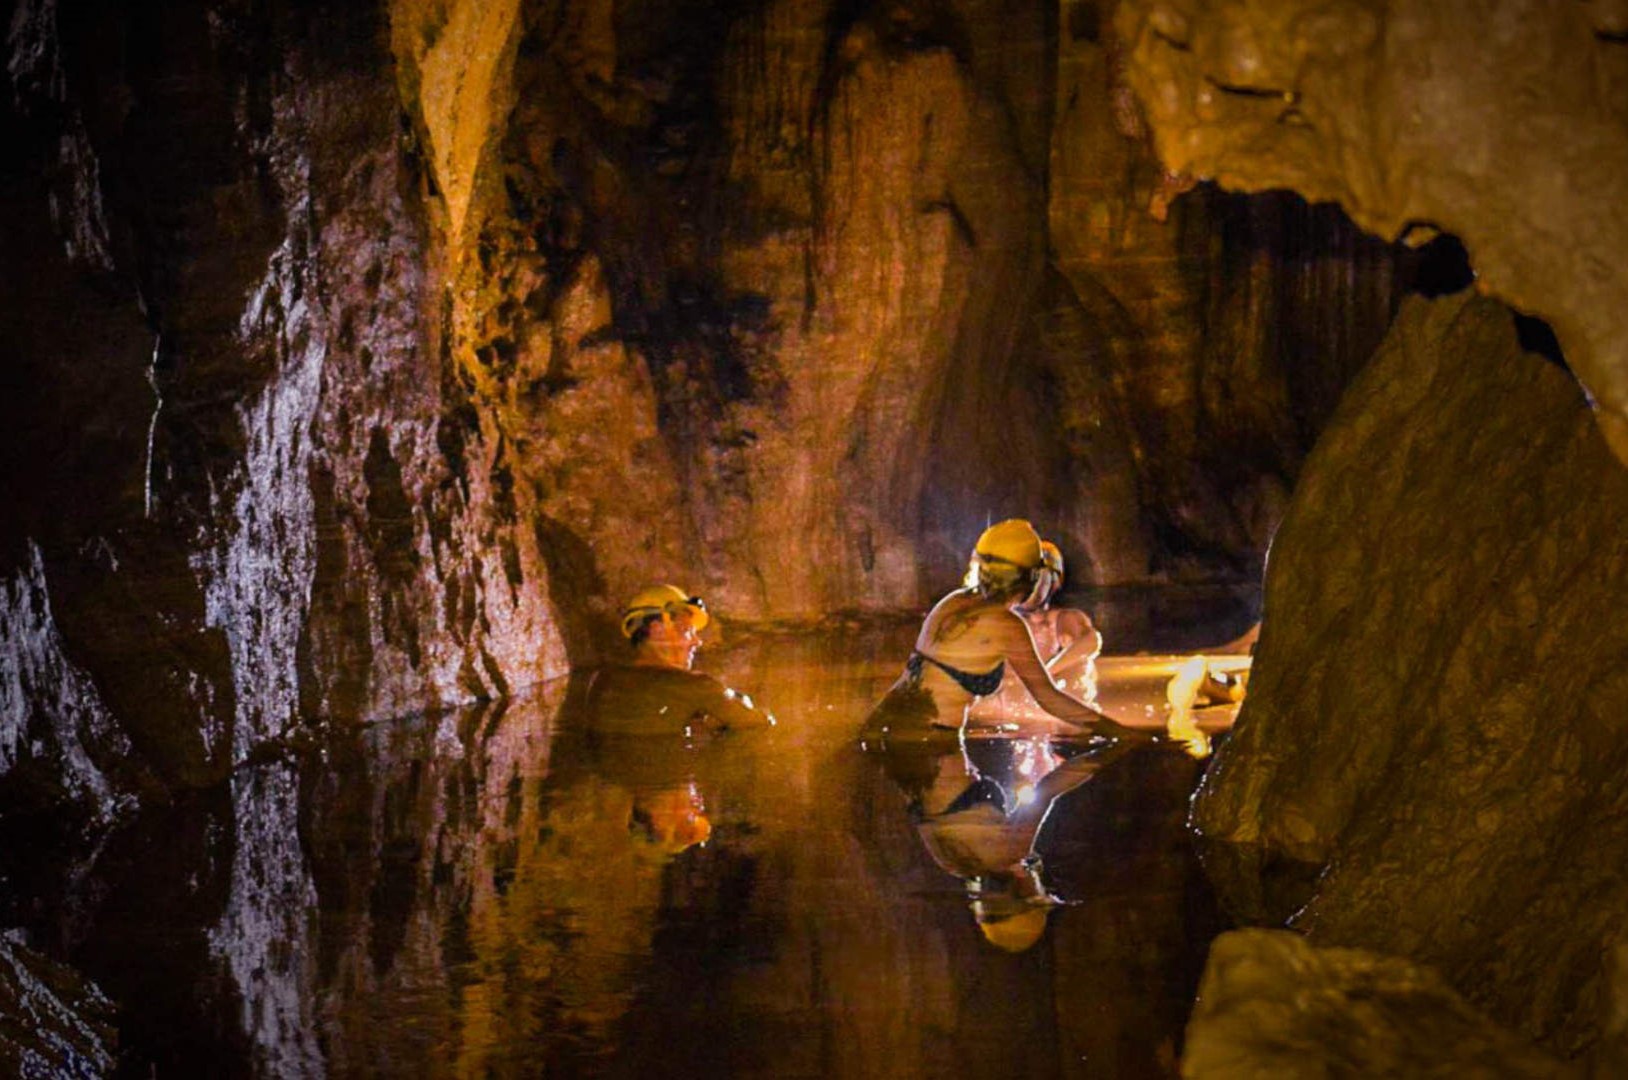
x=969, y=641
x=1064, y=637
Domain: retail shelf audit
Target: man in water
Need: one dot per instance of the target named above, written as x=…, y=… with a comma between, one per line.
x=656, y=692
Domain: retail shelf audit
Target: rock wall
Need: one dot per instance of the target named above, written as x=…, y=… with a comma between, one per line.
x=1434, y=728
x=1503, y=123
x=1426, y=766
x=830, y=286
x=1210, y=335
x=1273, y=1005
x=243, y=486
x=52, y=1022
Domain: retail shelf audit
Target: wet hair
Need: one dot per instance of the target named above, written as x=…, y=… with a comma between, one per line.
x=1046, y=582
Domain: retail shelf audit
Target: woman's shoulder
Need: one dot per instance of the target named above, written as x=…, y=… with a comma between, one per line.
x=958, y=600
x=1071, y=621
x=980, y=626
x=967, y=607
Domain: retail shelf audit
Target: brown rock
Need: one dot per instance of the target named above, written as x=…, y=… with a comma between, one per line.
x=1505, y=124
x=53, y=1021
x=366, y=359
x=1273, y=1005
x=243, y=489
x=1434, y=723
x=825, y=239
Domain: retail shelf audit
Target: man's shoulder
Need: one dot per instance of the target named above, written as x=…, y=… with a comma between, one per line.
x=617, y=676
x=659, y=700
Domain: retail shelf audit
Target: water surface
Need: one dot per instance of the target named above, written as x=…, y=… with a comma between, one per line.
x=487, y=893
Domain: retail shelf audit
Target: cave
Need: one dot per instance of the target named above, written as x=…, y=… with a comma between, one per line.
x=363, y=359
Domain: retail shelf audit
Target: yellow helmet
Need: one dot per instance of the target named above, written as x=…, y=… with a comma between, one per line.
x=1051, y=557
x=1015, y=933
x=1012, y=541
x=661, y=600
x=674, y=819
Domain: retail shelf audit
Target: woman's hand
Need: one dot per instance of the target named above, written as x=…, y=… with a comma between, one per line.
x=1018, y=646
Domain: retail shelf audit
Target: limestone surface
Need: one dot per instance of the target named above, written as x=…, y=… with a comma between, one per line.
x=1273, y=1005
x=1434, y=730
x=815, y=291
x=53, y=1021
x=244, y=493
x=1503, y=123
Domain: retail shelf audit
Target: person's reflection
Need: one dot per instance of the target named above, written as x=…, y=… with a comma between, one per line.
x=978, y=812
x=672, y=819
x=655, y=692
x=569, y=890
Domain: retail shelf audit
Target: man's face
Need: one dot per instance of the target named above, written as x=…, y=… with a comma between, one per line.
x=673, y=641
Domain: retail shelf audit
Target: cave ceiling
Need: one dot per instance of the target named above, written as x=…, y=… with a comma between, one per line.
x=1505, y=124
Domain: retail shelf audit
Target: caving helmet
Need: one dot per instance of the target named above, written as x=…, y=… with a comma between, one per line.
x=662, y=600
x=1016, y=932
x=1006, y=553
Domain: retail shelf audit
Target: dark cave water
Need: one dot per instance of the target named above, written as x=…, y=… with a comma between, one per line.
x=484, y=893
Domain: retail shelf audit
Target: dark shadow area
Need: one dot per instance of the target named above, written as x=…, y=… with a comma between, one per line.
x=1439, y=268
x=1538, y=337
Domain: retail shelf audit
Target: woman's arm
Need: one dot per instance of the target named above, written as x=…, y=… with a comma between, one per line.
x=1018, y=646
x=1074, y=772
x=1080, y=641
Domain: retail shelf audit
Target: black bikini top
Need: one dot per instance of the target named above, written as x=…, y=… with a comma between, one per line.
x=980, y=685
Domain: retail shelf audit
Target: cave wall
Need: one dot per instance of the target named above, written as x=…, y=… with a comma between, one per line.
x=362, y=361
x=242, y=487
x=1505, y=124
x=1272, y=1004
x=1433, y=735
x=818, y=278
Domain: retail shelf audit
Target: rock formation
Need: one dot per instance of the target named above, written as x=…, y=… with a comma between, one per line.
x=1434, y=723
x=1427, y=763
x=361, y=358
x=1505, y=124
x=52, y=1022
x=790, y=266
x=242, y=490
x=1272, y=1005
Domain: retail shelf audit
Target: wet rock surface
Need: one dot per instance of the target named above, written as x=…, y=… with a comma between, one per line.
x=1505, y=124
x=244, y=487
x=362, y=359
x=1434, y=725
x=1273, y=1005
x=53, y=1022
x=779, y=277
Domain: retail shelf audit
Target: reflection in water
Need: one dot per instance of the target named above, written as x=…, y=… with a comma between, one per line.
x=979, y=814
x=492, y=892
x=264, y=935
